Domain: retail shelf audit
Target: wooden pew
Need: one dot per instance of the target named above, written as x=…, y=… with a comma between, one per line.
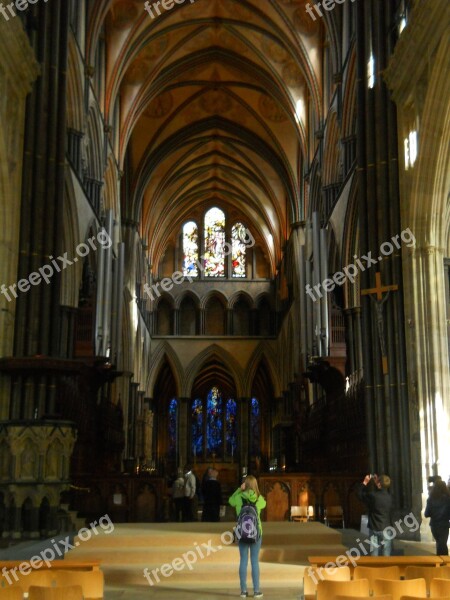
x=91, y=565
x=376, y=561
x=26, y=574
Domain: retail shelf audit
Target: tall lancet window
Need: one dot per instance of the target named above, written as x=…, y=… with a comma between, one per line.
x=238, y=248
x=255, y=428
x=214, y=427
x=172, y=427
x=197, y=428
x=214, y=257
x=190, y=249
x=230, y=420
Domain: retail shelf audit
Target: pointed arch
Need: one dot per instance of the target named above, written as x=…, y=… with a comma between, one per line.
x=262, y=354
x=94, y=144
x=70, y=278
x=332, y=152
x=213, y=353
x=75, y=91
x=349, y=101
x=241, y=295
x=111, y=188
x=165, y=352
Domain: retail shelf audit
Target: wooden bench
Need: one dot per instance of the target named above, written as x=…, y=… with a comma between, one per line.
x=376, y=561
x=26, y=574
x=67, y=565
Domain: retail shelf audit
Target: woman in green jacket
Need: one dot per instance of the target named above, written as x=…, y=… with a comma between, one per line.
x=249, y=492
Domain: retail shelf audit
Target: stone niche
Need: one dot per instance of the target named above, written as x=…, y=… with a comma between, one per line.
x=34, y=470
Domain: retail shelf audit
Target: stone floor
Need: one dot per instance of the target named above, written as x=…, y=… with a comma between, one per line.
x=350, y=538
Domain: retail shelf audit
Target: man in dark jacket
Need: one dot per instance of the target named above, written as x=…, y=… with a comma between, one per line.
x=379, y=502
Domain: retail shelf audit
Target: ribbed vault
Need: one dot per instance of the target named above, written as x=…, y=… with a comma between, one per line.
x=213, y=102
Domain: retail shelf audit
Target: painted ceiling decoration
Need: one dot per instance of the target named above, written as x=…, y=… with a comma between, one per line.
x=216, y=98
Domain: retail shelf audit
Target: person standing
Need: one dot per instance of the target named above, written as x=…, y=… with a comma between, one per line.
x=438, y=509
x=212, y=498
x=189, y=493
x=249, y=492
x=178, y=496
x=379, y=503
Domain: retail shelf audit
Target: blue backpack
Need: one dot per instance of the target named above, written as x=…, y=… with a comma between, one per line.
x=247, y=526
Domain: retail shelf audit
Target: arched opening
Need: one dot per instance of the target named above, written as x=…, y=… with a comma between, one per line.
x=241, y=317
x=215, y=317
x=27, y=517
x=188, y=317
x=164, y=318
x=44, y=518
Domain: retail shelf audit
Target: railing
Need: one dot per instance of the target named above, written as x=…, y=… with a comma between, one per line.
x=93, y=189
x=329, y=198
x=337, y=327
x=349, y=144
x=74, y=139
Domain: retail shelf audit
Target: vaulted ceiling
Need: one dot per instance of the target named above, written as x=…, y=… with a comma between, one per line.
x=215, y=100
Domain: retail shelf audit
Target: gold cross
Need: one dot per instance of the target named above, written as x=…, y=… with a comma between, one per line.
x=379, y=289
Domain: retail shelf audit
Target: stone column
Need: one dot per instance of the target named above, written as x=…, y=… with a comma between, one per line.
x=184, y=432
x=388, y=428
x=421, y=89
x=19, y=70
x=244, y=431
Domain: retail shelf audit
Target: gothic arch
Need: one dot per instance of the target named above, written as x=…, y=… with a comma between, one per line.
x=75, y=91
x=264, y=297
x=239, y=296
x=165, y=353
x=188, y=294
x=70, y=278
x=110, y=190
x=350, y=246
x=213, y=352
x=94, y=144
x=127, y=332
x=331, y=169
x=349, y=101
x=263, y=353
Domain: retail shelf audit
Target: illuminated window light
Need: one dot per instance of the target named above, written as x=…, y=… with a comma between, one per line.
x=413, y=147
x=300, y=110
x=411, y=151
x=371, y=72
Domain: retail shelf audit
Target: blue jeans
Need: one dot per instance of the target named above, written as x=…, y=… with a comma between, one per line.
x=380, y=545
x=254, y=549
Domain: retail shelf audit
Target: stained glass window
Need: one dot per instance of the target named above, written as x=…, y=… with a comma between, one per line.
x=214, y=426
x=190, y=249
x=197, y=428
x=230, y=423
x=214, y=257
x=214, y=420
x=238, y=247
x=255, y=428
x=172, y=427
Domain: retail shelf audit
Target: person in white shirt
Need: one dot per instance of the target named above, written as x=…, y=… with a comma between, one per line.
x=189, y=493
